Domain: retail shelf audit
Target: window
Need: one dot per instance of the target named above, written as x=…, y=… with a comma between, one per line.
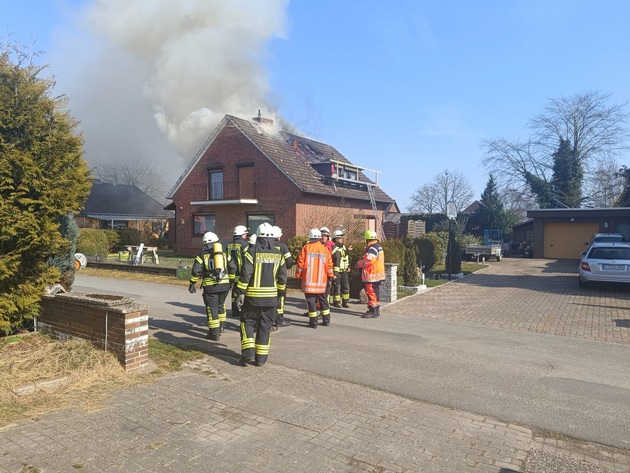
x=215, y=185
x=203, y=224
x=255, y=220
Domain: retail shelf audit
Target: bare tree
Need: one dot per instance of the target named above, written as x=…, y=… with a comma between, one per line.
x=445, y=187
x=595, y=131
x=134, y=172
x=605, y=185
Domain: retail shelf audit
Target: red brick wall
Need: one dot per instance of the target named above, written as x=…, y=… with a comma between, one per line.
x=275, y=192
x=109, y=322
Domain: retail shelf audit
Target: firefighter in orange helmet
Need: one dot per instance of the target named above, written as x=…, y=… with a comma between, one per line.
x=314, y=269
x=372, y=267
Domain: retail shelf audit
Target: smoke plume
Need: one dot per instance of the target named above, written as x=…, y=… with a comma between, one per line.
x=165, y=69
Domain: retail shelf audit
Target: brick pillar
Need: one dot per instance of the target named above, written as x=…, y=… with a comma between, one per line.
x=389, y=287
x=110, y=322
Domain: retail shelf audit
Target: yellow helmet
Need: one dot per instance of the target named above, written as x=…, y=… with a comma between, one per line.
x=371, y=235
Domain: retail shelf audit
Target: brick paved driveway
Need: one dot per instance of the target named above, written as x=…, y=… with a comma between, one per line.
x=532, y=295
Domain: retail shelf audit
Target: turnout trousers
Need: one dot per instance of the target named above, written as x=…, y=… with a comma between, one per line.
x=256, y=325
x=313, y=301
x=372, y=290
x=280, y=310
x=215, y=310
x=341, y=287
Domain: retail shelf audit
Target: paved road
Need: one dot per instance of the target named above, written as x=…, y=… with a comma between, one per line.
x=517, y=342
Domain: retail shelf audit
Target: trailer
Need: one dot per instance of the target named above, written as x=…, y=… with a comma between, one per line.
x=491, y=248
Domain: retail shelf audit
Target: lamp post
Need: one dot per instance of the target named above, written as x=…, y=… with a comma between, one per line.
x=451, y=214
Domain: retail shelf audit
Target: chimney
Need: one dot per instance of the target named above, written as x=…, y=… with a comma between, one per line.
x=262, y=120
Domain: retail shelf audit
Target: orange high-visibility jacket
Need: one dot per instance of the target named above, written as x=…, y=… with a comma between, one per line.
x=372, y=264
x=314, y=267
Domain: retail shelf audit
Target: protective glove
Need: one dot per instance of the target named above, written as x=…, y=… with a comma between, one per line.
x=192, y=288
x=240, y=300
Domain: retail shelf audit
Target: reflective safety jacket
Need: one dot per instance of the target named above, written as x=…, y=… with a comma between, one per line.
x=235, y=249
x=372, y=264
x=288, y=257
x=213, y=279
x=341, y=259
x=314, y=267
x=263, y=274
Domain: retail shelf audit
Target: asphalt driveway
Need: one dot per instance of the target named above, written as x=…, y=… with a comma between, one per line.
x=532, y=295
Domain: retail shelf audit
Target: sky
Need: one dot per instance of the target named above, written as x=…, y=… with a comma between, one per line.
x=407, y=87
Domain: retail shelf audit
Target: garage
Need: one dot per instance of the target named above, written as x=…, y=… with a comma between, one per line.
x=566, y=240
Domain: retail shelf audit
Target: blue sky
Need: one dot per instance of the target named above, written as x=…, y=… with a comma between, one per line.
x=407, y=87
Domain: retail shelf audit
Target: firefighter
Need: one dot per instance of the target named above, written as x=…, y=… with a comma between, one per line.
x=263, y=277
x=211, y=266
x=341, y=268
x=372, y=267
x=327, y=242
x=288, y=259
x=314, y=269
x=235, y=248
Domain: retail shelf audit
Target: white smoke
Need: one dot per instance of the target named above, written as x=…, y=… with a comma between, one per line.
x=174, y=66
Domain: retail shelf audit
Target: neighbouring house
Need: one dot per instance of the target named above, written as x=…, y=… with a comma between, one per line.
x=565, y=233
x=250, y=172
x=115, y=206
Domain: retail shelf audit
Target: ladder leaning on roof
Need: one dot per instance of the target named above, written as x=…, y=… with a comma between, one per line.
x=379, y=226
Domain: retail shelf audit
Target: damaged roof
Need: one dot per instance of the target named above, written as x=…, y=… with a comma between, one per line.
x=295, y=156
x=123, y=201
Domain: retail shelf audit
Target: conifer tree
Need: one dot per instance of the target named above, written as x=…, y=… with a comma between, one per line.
x=491, y=214
x=42, y=177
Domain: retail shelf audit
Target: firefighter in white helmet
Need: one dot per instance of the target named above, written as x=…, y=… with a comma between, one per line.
x=211, y=267
x=314, y=269
x=341, y=268
x=263, y=275
x=288, y=259
x=235, y=249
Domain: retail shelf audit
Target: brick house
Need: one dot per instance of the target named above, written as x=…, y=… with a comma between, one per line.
x=250, y=172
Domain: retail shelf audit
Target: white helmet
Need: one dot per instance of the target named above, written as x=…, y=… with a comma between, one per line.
x=325, y=231
x=314, y=233
x=277, y=231
x=240, y=230
x=338, y=234
x=265, y=230
x=252, y=239
x=209, y=237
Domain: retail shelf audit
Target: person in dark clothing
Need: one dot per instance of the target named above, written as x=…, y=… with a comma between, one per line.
x=211, y=266
x=262, y=278
x=341, y=268
x=235, y=249
x=288, y=259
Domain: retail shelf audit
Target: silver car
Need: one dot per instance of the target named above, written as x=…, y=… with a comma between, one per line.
x=605, y=262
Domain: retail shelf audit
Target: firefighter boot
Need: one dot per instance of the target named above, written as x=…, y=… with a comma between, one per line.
x=370, y=314
x=312, y=322
x=337, y=304
x=377, y=311
x=326, y=320
x=345, y=304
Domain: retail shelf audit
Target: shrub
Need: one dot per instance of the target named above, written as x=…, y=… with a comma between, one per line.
x=409, y=270
x=394, y=251
x=64, y=260
x=113, y=238
x=128, y=236
x=431, y=249
x=454, y=259
x=295, y=245
x=92, y=241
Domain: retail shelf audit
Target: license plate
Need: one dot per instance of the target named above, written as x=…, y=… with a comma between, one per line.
x=614, y=267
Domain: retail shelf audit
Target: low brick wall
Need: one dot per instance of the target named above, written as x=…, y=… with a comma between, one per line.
x=113, y=323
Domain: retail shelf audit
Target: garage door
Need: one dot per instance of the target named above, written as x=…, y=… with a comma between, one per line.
x=566, y=240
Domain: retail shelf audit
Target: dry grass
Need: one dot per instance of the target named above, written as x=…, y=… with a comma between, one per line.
x=39, y=375
x=137, y=276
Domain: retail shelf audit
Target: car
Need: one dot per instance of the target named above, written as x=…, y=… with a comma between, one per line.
x=605, y=262
x=606, y=238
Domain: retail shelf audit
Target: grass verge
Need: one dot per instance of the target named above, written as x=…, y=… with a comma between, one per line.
x=39, y=375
